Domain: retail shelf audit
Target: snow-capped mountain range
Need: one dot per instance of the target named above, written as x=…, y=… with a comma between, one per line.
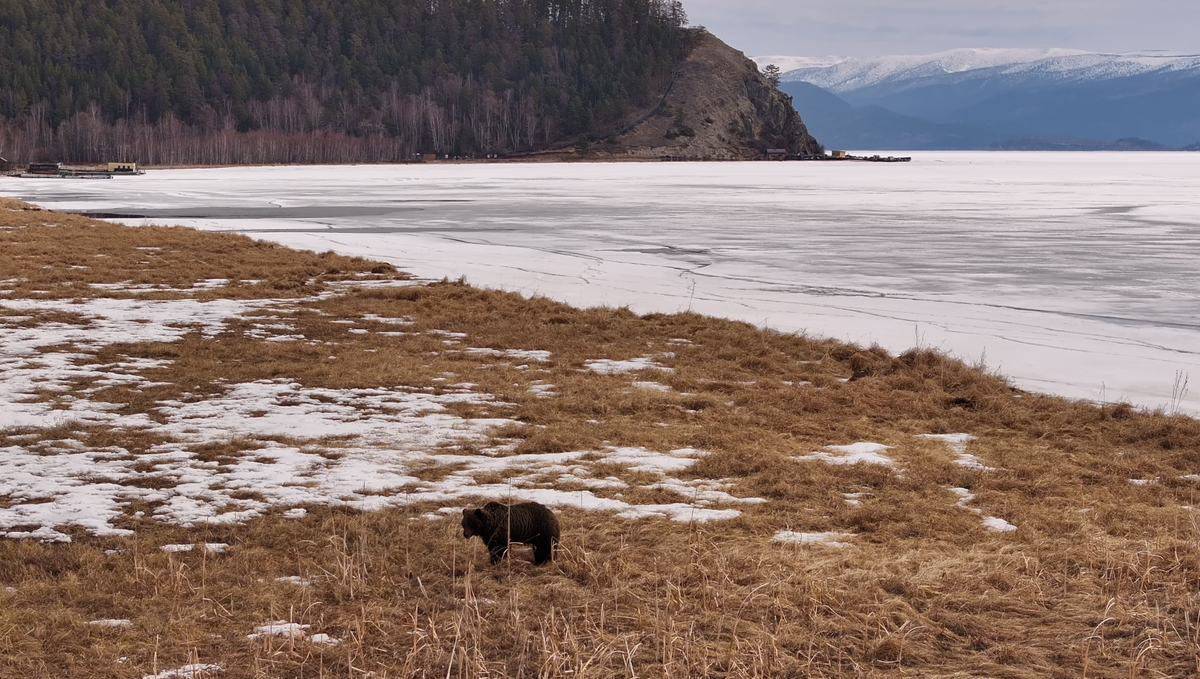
x=991, y=96
x=845, y=74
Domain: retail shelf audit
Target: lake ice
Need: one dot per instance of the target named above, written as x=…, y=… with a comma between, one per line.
x=1071, y=273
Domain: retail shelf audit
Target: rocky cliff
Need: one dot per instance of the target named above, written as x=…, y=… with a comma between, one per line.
x=719, y=106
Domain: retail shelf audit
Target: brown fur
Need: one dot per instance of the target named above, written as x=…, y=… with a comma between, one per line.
x=499, y=525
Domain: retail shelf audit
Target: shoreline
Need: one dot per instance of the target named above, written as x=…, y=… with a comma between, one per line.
x=599, y=234
x=553, y=157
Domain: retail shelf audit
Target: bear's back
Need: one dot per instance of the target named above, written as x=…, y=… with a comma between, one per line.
x=524, y=520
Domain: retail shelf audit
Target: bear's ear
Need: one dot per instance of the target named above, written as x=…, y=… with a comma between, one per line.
x=480, y=515
x=466, y=511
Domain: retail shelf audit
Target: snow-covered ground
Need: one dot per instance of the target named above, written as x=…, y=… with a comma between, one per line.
x=303, y=446
x=1072, y=273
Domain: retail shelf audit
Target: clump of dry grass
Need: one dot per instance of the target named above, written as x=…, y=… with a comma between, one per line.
x=1098, y=580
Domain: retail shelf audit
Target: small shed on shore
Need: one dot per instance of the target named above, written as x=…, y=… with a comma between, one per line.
x=838, y=154
x=777, y=154
x=127, y=168
x=6, y=165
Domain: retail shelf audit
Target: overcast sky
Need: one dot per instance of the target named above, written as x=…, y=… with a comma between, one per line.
x=863, y=28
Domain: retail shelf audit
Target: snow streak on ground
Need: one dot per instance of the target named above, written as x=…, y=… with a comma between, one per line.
x=990, y=522
x=826, y=539
x=348, y=447
x=958, y=444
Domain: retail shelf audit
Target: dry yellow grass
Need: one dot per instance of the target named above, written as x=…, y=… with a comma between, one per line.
x=1100, y=579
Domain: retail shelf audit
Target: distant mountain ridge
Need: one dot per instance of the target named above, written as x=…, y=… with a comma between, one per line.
x=838, y=124
x=847, y=74
x=1006, y=94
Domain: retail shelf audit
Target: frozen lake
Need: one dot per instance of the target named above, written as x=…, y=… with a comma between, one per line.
x=1071, y=273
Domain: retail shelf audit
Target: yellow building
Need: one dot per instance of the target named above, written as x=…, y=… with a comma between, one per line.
x=123, y=167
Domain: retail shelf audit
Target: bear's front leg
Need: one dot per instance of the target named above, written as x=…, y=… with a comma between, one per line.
x=543, y=551
x=498, y=550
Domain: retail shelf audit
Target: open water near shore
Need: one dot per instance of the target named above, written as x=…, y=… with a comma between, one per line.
x=1072, y=273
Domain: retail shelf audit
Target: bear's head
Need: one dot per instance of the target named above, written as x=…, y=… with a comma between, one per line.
x=474, y=522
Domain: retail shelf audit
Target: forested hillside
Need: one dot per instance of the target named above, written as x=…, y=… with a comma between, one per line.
x=227, y=81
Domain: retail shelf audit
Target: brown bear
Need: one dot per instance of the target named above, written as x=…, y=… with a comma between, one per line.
x=498, y=525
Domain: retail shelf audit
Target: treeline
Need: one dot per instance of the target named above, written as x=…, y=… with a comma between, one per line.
x=240, y=81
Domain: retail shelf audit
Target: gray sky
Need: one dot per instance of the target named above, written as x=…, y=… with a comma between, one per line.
x=863, y=28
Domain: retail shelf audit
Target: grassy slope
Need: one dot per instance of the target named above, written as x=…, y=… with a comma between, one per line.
x=1099, y=580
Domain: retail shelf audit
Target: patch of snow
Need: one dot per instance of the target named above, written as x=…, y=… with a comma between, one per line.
x=176, y=548
x=283, y=628
x=520, y=354
x=594, y=484
x=215, y=547
x=295, y=513
x=605, y=366
x=643, y=460
x=193, y=671
x=828, y=539
x=998, y=525
x=294, y=580
x=42, y=534
x=703, y=492
x=964, y=496
x=855, y=453
x=280, y=628
x=109, y=623
x=273, y=408
x=541, y=390
x=679, y=512
x=652, y=386
x=1143, y=482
